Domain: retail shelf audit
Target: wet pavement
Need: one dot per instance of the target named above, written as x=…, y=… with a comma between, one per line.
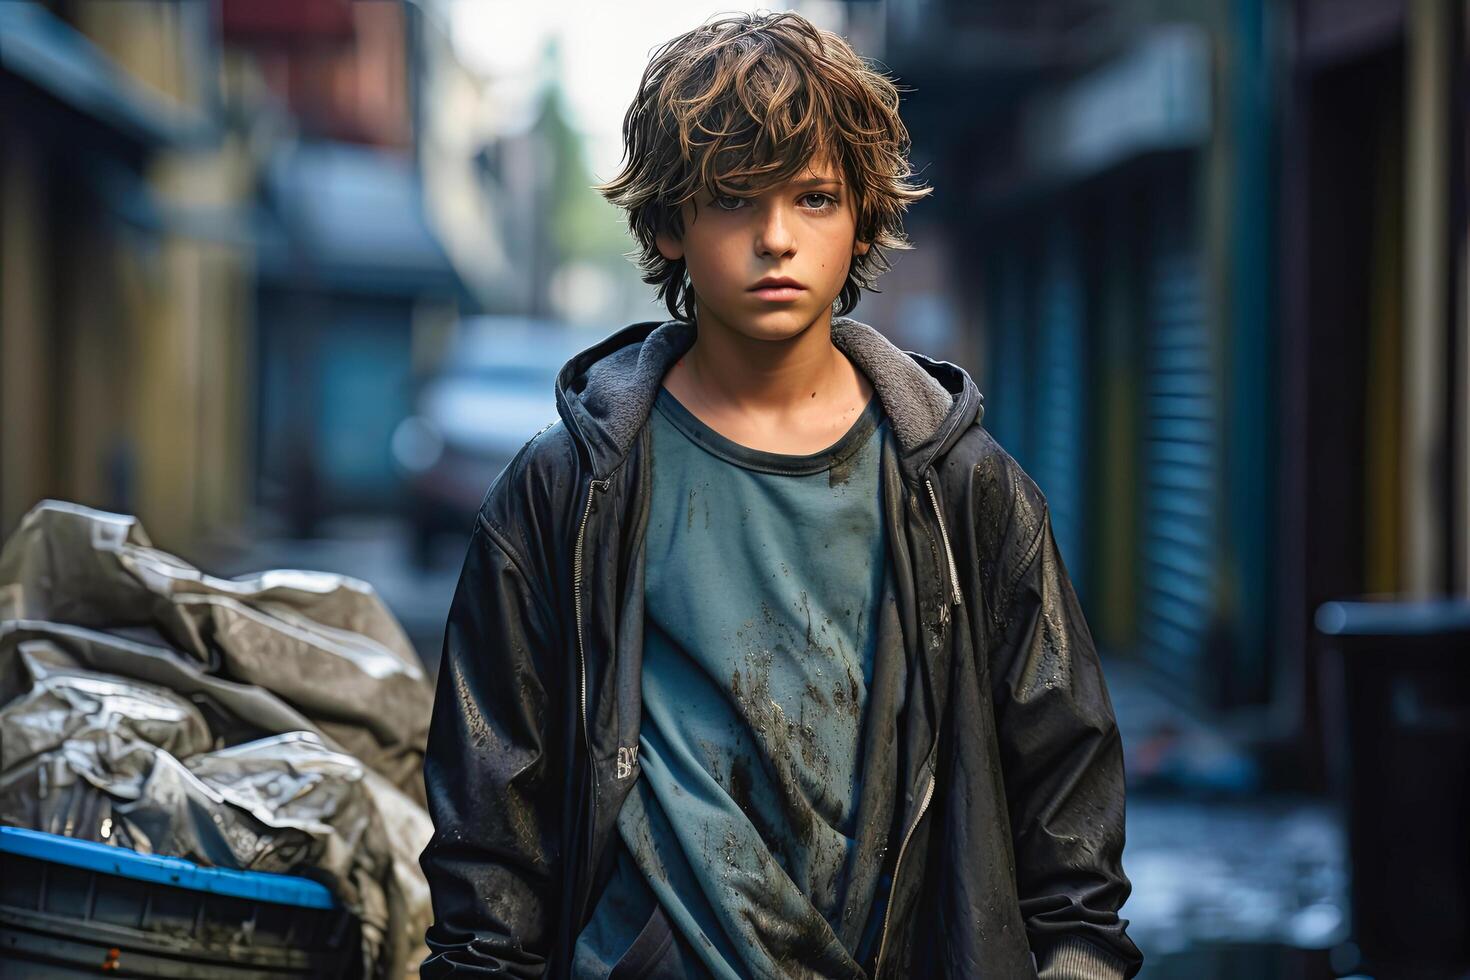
x=1210, y=878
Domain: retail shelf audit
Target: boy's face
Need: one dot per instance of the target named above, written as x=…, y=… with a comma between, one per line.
x=803, y=230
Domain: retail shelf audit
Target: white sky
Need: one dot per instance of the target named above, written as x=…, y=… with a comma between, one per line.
x=604, y=48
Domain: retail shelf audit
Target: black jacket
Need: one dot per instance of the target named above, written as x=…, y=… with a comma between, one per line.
x=1012, y=774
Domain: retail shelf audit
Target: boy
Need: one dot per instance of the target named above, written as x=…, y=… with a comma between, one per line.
x=763, y=661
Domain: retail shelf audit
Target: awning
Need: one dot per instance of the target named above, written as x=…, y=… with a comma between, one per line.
x=47, y=53
x=352, y=218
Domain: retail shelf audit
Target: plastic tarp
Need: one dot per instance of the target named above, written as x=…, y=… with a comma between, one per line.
x=274, y=722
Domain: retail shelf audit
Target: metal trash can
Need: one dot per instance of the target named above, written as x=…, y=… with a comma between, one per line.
x=1396, y=706
x=75, y=908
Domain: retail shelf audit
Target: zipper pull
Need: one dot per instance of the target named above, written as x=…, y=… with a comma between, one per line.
x=601, y=487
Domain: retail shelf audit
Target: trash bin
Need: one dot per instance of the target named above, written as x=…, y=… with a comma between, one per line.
x=75, y=908
x=1396, y=706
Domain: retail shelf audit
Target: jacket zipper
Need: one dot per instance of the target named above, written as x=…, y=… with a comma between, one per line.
x=581, y=650
x=954, y=578
x=898, y=864
x=954, y=582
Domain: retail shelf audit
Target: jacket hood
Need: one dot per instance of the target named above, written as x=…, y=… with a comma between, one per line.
x=605, y=393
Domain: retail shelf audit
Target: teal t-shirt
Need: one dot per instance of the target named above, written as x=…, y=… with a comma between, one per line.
x=761, y=820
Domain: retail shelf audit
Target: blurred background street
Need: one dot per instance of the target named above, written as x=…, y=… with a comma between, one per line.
x=290, y=280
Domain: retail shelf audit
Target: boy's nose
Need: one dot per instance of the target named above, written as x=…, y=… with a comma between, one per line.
x=774, y=235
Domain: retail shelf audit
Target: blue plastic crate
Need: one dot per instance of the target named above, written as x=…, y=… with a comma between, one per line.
x=73, y=908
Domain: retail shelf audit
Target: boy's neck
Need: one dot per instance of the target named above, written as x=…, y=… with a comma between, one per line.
x=796, y=396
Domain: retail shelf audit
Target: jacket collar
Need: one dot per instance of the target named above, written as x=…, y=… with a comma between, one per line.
x=605, y=393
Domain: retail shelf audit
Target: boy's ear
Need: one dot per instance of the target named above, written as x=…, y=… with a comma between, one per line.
x=861, y=248
x=669, y=247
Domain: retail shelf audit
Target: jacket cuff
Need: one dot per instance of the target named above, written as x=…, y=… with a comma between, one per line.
x=1077, y=959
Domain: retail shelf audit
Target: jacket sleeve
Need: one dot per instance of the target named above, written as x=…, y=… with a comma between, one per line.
x=493, y=863
x=1062, y=763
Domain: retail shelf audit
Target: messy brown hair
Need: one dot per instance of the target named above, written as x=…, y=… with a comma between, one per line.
x=746, y=102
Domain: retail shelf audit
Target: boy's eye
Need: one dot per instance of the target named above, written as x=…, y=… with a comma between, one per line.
x=825, y=200
x=727, y=197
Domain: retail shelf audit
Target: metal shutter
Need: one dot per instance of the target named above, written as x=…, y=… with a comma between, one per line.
x=1180, y=452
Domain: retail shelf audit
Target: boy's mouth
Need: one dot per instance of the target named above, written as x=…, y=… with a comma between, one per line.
x=778, y=288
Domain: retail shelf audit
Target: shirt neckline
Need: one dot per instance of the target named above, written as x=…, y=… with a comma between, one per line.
x=760, y=460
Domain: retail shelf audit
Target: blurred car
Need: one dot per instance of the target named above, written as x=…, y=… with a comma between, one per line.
x=494, y=389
